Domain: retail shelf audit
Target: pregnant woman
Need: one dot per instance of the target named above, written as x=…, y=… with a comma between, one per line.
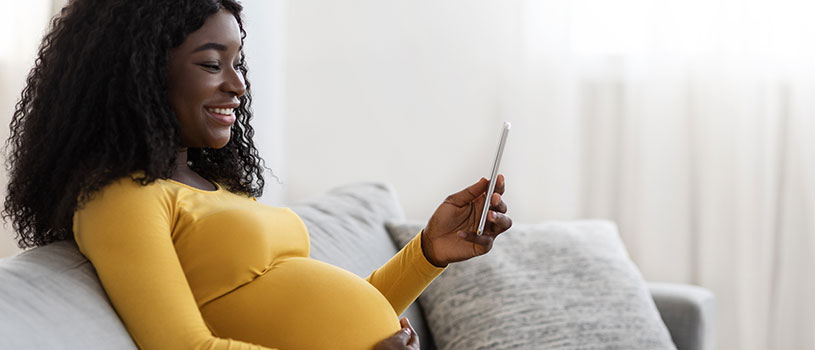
x=132, y=137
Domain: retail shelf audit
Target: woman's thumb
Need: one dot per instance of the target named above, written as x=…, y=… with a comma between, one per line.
x=406, y=328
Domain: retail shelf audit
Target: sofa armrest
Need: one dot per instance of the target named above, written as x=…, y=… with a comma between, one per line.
x=689, y=312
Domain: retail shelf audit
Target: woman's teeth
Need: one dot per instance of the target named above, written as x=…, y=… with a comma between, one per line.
x=223, y=111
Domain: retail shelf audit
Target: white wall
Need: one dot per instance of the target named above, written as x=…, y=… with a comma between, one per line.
x=22, y=26
x=409, y=92
x=265, y=24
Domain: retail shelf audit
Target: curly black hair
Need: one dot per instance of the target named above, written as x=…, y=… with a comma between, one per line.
x=95, y=108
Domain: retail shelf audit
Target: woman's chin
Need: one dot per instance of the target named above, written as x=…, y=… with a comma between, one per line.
x=218, y=142
x=220, y=145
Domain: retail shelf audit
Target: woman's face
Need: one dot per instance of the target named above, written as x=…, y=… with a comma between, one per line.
x=205, y=83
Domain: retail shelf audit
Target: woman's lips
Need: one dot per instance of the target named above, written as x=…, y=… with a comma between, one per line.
x=218, y=117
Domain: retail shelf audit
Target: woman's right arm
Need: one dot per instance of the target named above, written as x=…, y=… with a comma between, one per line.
x=125, y=232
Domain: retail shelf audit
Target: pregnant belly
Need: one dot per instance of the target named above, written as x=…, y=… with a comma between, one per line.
x=302, y=303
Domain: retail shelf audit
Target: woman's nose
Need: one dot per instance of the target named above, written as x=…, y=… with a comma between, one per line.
x=235, y=82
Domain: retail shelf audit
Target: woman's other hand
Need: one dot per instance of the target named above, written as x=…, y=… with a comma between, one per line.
x=450, y=234
x=405, y=339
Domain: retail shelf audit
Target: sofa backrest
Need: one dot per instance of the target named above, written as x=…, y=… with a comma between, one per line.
x=50, y=298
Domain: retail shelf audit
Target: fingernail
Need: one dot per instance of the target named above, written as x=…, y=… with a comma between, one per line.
x=462, y=234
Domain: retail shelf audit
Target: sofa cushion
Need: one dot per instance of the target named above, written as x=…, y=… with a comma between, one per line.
x=347, y=229
x=556, y=285
x=50, y=298
x=346, y=225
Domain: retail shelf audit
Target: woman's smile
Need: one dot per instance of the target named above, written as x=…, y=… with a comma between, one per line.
x=222, y=115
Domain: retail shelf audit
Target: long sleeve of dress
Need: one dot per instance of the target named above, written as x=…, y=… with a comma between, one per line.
x=126, y=234
x=405, y=276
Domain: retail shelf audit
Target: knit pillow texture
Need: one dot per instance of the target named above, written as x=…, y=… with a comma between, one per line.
x=553, y=285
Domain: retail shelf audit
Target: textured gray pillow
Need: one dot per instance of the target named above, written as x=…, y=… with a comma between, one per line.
x=347, y=229
x=50, y=298
x=556, y=285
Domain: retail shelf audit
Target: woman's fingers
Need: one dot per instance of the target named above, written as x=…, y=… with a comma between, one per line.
x=500, y=184
x=482, y=240
x=469, y=194
x=401, y=338
x=398, y=340
x=413, y=343
x=476, y=191
x=414, y=338
x=500, y=222
x=497, y=204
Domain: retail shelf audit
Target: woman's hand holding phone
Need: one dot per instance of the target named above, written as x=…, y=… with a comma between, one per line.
x=463, y=227
x=450, y=234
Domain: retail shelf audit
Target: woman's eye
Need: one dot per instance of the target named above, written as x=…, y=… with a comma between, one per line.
x=210, y=66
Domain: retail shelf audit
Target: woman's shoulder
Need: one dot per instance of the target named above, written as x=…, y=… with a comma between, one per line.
x=129, y=191
x=123, y=208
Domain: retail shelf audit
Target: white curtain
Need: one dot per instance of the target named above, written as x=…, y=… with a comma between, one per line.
x=693, y=123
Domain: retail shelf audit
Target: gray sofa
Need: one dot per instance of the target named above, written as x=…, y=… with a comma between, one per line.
x=50, y=297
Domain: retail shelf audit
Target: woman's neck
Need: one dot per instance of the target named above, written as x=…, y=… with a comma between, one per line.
x=184, y=174
x=181, y=161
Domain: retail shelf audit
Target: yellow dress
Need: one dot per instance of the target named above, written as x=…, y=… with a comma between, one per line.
x=192, y=269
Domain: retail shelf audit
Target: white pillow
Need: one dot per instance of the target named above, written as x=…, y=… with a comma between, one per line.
x=555, y=285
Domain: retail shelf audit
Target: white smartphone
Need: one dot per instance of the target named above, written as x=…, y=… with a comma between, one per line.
x=493, y=177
